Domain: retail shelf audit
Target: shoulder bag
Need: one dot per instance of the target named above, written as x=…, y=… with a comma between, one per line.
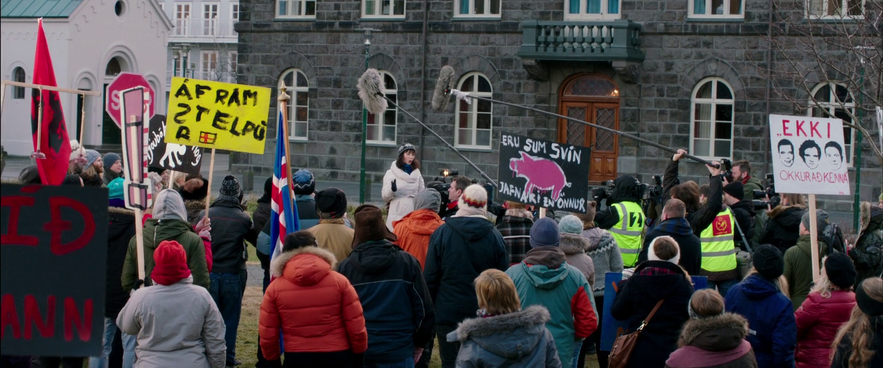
x=625, y=344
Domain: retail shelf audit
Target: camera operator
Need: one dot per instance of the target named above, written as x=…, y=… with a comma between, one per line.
x=699, y=215
x=623, y=216
x=458, y=184
x=742, y=173
x=742, y=209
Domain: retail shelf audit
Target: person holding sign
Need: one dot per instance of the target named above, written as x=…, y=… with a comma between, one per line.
x=623, y=217
x=401, y=183
x=798, y=259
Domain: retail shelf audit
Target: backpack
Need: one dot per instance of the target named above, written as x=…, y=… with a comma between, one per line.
x=833, y=236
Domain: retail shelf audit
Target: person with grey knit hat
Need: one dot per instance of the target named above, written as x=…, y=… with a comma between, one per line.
x=798, y=259
x=93, y=169
x=231, y=227
x=414, y=229
x=459, y=250
x=113, y=167
x=401, y=184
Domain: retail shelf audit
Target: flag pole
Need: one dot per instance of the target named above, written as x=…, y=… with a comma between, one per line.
x=38, y=154
x=283, y=104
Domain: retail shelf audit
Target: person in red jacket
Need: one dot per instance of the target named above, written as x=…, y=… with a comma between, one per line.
x=316, y=309
x=823, y=312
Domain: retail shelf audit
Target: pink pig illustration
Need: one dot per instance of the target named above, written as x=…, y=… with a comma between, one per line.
x=540, y=173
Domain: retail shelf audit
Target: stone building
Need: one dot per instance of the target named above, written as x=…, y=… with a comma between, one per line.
x=691, y=74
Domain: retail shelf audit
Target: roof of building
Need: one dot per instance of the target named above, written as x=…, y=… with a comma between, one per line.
x=38, y=8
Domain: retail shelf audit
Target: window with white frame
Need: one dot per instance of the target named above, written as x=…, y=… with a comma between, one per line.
x=209, y=64
x=835, y=8
x=182, y=19
x=234, y=11
x=210, y=19
x=591, y=9
x=18, y=75
x=382, y=127
x=832, y=100
x=298, y=87
x=477, y=8
x=711, y=120
x=294, y=9
x=231, y=65
x=716, y=9
x=474, y=120
x=383, y=8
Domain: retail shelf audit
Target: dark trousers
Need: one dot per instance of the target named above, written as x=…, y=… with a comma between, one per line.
x=265, y=265
x=227, y=291
x=596, y=337
x=447, y=351
x=342, y=359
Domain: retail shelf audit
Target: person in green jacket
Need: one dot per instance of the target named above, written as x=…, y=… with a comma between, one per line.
x=798, y=259
x=742, y=173
x=169, y=222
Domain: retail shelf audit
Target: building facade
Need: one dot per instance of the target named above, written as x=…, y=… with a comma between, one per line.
x=703, y=75
x=91, y=41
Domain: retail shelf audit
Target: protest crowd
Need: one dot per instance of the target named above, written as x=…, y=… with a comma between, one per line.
x=487, y=285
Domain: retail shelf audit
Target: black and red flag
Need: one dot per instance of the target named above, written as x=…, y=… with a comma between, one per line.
x=54, y=142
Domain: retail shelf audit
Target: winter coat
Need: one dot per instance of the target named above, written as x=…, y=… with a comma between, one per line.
x=749, y=185
x=168, y=223
x=231, y=227
x=574, y=248
x=717, y=341
x=307, y=215
x=844, y=348
x=605, y=256
x=401, y=201
x=798, y=268
x=517, y=340
x=544, y=278
x=176, y=325
x=783, y=226
x=868, y=251
x=516, y=233
x=194, y=208
x=679, y=229
x=395, y=301
x=413, y=232
x=261, y=214
x=120, y=229
x=769, y=316
x=624, y=191
x=652, y=282
x=818, y=320
x=744, y=213
x=316, y=308
x=460, y=250
x=334, y=236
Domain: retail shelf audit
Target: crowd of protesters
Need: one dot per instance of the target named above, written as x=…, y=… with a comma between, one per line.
x=507, y=289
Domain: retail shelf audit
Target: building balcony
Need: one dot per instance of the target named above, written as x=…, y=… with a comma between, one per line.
x=203, y=30
x=615, y=41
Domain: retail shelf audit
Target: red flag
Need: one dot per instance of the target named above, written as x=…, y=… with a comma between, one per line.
x=54, y=142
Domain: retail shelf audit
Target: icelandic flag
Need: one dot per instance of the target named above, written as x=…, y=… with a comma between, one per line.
x=283, y=218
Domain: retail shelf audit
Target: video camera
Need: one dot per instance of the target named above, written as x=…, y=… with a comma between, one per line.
x=442, y=183
x=768, y=192
x=606, y=191
x=727, y=169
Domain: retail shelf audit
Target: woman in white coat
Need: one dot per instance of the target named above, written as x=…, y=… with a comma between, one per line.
x=401, y=184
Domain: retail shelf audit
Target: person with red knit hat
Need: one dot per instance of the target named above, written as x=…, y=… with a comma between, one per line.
x=176, y=323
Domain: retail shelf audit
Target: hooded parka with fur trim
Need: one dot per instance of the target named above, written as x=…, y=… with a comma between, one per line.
x=518, y=339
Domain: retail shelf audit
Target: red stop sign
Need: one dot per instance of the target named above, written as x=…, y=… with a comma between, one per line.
x=122, y=82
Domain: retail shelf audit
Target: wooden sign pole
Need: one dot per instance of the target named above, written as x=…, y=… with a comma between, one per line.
x=814, y=238
x=542, y=212
x=211, y=170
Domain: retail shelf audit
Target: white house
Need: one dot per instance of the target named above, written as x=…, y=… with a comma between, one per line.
x=91, y=41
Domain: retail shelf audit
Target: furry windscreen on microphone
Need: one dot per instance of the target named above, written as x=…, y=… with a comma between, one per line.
x=370, y=84
x=442, y=87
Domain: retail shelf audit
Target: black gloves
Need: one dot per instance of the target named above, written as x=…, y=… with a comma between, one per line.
x=393, y=185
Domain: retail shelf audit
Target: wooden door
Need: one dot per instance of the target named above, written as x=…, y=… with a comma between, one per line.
x=594, y=99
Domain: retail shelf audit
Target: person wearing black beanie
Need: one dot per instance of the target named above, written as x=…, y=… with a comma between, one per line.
x=860, y=342
x=332, y=233
x=825, y=309
x=760, y=300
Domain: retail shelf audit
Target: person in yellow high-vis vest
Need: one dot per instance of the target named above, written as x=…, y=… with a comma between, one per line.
x=624, y=218
x=719, y=252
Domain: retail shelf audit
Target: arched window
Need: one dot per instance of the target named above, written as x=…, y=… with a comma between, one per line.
x=382, y=128
x=114, y=67
x=298, y=87
x=711, y=120
x=18, y=75
x=832, y=100
x=474, y=120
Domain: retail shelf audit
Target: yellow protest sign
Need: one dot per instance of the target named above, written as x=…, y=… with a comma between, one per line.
x=218, y=115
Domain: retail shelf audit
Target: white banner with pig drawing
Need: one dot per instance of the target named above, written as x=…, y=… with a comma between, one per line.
x=543, y=173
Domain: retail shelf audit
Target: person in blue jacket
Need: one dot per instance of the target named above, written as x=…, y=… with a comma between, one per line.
x=758, y=298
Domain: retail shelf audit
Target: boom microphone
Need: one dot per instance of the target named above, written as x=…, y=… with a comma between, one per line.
x=370, y=84
x=444, y=85
x=467, y=98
